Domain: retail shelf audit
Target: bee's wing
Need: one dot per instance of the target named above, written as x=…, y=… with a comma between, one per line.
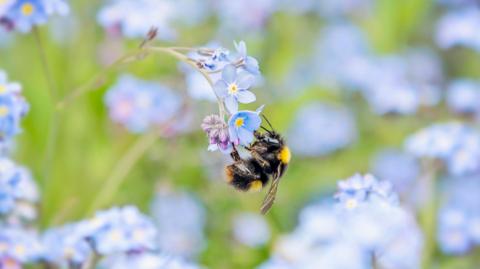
x=272, y=193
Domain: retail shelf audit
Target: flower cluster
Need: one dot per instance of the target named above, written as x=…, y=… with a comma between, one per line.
x=396, y=83
x=400, y=168
x=233, y=74
x=18, y=246
x=140, y=105
x=319, y=129
x=114, y=231
x=146, y=260
x=180, y=221
x=464, y=96
x=459, y=219
x=133, y=19
x=456, y=144
x=22, y=15
x=18, y=192
x=459, y=28
x=366, y=227
x=13, y=108
x=251, y=229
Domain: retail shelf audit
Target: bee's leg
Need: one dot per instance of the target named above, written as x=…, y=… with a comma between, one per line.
x=234, y=154
x=260, y=159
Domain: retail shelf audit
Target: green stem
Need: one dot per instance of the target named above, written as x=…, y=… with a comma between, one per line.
x=53, y=128
x=428, y=214
x=96, y=81
x=122, y=168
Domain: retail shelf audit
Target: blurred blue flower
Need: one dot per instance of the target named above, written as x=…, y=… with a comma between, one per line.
x=233, y=88
x=241, y=126
x=459, y=27
x=198, y=87
x=377, y=230
x=463, y=96
x=251, y=229
x=140, y=105
x=66, y=245
x=180, y=221
x=19, y=244
x=133, y=19
x=459, y=217
x=400, y=168
x=13, y=108
x=24, y=14
x=244, y=16
x=146, y=260
x=120, y=230
x=456, y=144
x=16, y=187
x=319, y=129
x=332, y=9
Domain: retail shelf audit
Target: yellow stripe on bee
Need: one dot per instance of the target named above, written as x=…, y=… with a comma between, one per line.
x=255, y=186
x=284, y=156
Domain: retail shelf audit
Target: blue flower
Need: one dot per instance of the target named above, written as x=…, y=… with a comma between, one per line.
x=12, y=108
x=375, y=228
x=319, y=129
x=26, y=13
x=147, y=260
x=19, y=244
x=120, y=230
x=464, y=96
x=180, y=220
x=400, y=168
x=242, y=125
x=247, y=62
x=251, y=229
x=16, y=186
x=66, y=245
x=459, y=27
x=233, y=88
x=456, y=144
x=140, y=105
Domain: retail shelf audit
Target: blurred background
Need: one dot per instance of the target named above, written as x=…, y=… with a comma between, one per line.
x=345, y=81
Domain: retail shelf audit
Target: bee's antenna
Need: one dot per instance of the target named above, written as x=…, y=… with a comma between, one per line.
x=268, y=122
x=268, y=131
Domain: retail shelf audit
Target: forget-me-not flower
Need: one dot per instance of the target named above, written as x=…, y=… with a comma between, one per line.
x=234, y=88
x=242, y=125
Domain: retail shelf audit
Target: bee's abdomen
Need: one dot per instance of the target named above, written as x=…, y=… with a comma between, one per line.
x=243, y=181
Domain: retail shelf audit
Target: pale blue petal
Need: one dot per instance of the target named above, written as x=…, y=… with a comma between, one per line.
x=245, y=136
x=241, y=48
x=232, y=133
x=251, y=65
x=229, y=73
x=231, y=104
x=245, y=80
x=252, y=121
x=220, y=89
x=245, y=97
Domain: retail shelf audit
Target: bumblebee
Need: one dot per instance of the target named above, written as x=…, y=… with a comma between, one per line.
x=269, y=158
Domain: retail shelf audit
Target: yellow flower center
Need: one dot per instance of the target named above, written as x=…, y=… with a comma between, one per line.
x=239, y=122
x=3, y=88
x=27, y=9
x=232, y=88
x=351, y=203
x=3, y=111
x=19, y=250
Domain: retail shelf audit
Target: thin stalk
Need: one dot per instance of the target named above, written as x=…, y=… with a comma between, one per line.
x=428, y=214
x=96, y=81
x=53, y=128
x=185, y=59
x=122, y=168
